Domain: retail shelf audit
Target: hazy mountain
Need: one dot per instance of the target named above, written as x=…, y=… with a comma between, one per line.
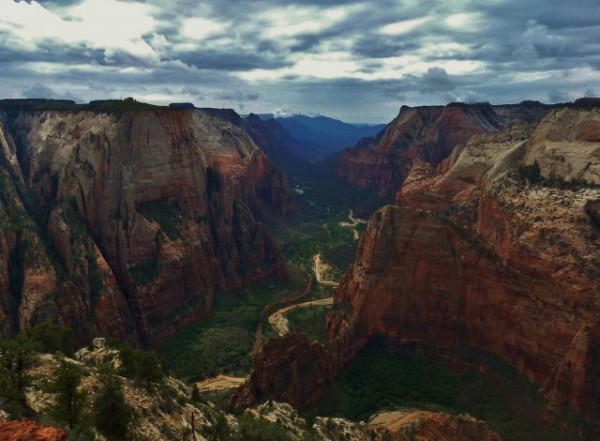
x=320, y=136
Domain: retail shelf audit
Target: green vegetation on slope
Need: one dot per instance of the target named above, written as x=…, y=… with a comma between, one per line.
x=310, y=321
x=470, y=382
x=223, y=342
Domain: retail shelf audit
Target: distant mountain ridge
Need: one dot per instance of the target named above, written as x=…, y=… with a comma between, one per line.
x=318, y=137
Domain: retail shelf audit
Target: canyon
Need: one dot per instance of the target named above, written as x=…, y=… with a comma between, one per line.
x=492, y=244
x=122, y=219
x=131, y=221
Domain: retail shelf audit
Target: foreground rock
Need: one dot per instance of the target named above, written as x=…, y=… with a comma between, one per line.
x=125, y=222
x=29, y=431
x=167, y=413
x=429, y=426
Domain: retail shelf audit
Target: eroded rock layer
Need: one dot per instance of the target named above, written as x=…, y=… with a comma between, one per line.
x=427, y=133
x=498, y=248
x=125, y=223
x=477, y=254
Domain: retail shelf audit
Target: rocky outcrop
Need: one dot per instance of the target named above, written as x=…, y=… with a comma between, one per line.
x=429, y=426
x=167, y=413
x=477, y=255
x=125, y=222
x=496, y=247
x=27, y=430
x=280, y=373
x=429, y=134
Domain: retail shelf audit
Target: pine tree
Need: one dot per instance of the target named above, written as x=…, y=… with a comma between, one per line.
x=69, y=401
x=16, y=356
x=143, y=366
x=195, y=397
x=50, y=338
x=148, y=369
x=112, y=414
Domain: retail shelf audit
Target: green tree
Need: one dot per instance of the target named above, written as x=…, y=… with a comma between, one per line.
x=219, y=430
x=148, y=369
x=50, y=338
x=69, y=400
x=143, y=366
x=195, y=397
x=127, y=357
x=112, y=415
x=16, y=356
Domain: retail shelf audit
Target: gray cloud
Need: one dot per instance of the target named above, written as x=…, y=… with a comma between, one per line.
x=436, y=79
x=38, y=90
x=539, y=49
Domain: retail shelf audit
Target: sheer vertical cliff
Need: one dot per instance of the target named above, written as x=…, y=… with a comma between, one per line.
x=428, y=134
x=496, y=247
x=495, y=251
x=126, y=222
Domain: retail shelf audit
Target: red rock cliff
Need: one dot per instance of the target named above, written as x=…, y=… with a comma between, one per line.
x=496, y=248
x=126, y=223
x=429, y=134
x=478, y=256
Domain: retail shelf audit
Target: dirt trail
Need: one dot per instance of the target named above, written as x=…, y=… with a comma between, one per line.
x=279, y=321
x=258, y=334
x=352, y=224
x=321, y=268
x=220, y=382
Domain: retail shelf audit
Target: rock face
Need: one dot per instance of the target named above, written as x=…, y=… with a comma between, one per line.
x=277, y=143
x=429, y=134
x=497, y=247
x=125, y=223
x=27, y=430
x=429, y=426
x=282, y=369
x=475, y=255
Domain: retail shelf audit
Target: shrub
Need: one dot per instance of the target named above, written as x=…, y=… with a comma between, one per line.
x=16, y=356
x=531, y=173
x=112, y=415
x=143, y=366
x=50, y=338
x=69, y=401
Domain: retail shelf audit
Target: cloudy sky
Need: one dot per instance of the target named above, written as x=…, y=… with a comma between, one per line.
x=358, y=60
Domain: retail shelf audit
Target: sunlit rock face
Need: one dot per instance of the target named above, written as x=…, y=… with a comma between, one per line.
x=126, y=223
x=474, y=254
x=429, y=134
x=496, y=247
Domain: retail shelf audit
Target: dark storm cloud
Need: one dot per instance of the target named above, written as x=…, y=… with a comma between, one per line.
x=436, y=79
x=238, y=95
x=341, y=58
x=377, y=46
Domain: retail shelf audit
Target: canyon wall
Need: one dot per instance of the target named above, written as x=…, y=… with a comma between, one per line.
x=126, y=223
x=496, y=247
x=430, y=134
